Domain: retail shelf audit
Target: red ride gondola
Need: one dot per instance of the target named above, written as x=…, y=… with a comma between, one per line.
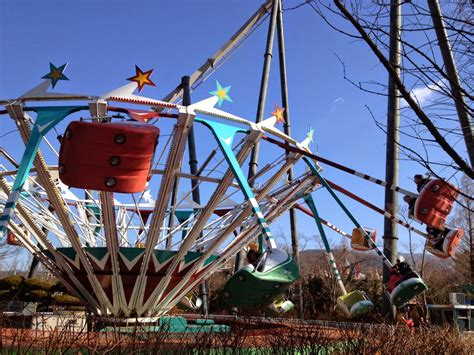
x=434, y=203
x=358, y=242
x=11, y=240
x=114, y=157
x=446, y=247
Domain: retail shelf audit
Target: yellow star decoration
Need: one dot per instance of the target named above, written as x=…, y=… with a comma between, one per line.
x=278, y=113
x=142, y=78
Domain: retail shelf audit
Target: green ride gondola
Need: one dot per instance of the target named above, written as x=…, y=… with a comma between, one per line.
x=282, y=305
x=404, y=284
x=251, y=286
x=406, y=291
x=355, y=303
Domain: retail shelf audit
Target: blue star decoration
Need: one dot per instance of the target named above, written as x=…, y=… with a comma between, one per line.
x=55, y=73
x=222, y=93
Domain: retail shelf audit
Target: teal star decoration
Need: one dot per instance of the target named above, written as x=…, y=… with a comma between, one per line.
x=222, y=93
x=55, y=74
x=310, y=134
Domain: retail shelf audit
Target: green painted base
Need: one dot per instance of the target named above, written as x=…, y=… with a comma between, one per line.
x=406, y=291
x=248, y=287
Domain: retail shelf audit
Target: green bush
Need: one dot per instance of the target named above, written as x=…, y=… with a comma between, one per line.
x=38, y=284
x=11, y=282
x=66, y=299
x=36, y=296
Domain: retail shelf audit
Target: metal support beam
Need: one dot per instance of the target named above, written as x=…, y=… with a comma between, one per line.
x=224, y=52
x=243, y=237
x=330, y=256
x=264, y=85
x=390, y=236
x=261, y=103
x=287, y=129
x=193, y=168
x=203, y=217
x=173, y=165
x=238, y=221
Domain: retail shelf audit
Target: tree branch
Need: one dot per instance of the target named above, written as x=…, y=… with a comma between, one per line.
x=406, y=95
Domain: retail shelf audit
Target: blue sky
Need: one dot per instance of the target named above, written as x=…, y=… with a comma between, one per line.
x=103, y=40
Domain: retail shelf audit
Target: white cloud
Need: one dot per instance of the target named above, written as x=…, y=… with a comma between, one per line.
x=336, y=102
x=424, y=94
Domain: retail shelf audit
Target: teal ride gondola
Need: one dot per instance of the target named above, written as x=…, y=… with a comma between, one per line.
x=404, y=285
x=261, y=285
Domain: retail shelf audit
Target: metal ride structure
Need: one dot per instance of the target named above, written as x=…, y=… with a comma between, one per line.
x=95, y=197
x=110, y=248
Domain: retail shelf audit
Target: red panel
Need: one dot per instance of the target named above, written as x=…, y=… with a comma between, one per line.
x=393, y=281
x=128, y=282
x=97, y=269
x=222, y=212
x=106, y=284
x=151, y=283
x=173, y=283
x=119, y=153
x=72, y=266
x=84, y=280
x=434, y=203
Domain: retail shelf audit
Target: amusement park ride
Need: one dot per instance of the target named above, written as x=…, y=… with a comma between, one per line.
x=96, y=202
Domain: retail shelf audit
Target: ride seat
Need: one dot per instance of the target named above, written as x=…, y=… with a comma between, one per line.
x=282, y=305
x=250, y=286
x=114, y=157
x=405, y=287
x=11, y=240
x=434, y=203
x=358, y=241
x=354, y=303
x=448, y=244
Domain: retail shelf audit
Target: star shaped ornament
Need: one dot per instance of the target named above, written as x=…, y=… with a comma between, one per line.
x=222, y=93
x=310, y=135
x=55, y=73
x=278, y=113
x=142, y=78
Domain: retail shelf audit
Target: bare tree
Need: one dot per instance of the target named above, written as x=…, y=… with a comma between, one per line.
x=430, y=115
